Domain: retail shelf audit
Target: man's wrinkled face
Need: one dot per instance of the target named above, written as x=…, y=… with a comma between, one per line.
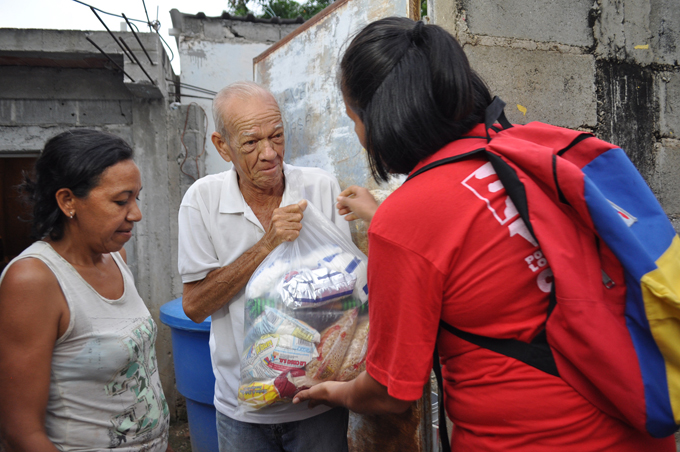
x=256, y=142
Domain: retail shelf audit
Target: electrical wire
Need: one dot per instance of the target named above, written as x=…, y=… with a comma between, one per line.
x=270, y=11
x=138, y=40
x=167, y=46
x=110, y=59
x=152, y=25
x=193, y=97
x=192, y=87
x=137, y=61
x=147, y=15
x=112, y=35
x=186, y=150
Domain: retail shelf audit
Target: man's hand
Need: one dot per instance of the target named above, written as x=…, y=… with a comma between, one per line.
x=285, y=225
x=356, y=203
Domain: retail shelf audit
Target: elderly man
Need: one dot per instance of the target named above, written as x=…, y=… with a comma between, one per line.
x=228, y=224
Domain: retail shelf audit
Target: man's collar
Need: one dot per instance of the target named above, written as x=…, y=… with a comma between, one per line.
x=231, y=198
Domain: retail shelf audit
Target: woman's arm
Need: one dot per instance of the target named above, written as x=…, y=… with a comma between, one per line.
x=356, y=203
x=363, y=395
x=33, y=314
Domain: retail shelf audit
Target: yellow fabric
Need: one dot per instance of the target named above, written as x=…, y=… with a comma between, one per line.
x=661, y=296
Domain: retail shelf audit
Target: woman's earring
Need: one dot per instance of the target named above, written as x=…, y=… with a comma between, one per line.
x=71, y=215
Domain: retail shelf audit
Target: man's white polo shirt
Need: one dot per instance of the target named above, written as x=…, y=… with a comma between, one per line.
x=216, y=226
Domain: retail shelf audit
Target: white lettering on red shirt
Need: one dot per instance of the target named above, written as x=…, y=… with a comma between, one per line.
x=484, y=183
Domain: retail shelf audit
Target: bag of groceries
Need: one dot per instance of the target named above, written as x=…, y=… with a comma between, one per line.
x=306, y=315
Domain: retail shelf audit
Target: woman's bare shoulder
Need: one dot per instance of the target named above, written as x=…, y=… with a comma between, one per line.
x=29, y=272
x=30, y=286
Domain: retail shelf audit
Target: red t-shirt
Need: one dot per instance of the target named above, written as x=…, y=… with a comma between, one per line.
x=450, y=244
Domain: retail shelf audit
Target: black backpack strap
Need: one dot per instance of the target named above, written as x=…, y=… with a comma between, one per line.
x=513, y=187
x=576, y=141
x=536, y=354
x=506, y=174
x=495, y=113
x=455, y=158
x=443, y=432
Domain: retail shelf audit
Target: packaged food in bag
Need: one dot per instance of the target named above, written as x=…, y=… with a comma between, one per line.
x=333, y=345
x=355, y=359
x=303, y=305
x=306, y=288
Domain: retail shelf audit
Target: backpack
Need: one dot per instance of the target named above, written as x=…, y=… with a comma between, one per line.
x=612, y=329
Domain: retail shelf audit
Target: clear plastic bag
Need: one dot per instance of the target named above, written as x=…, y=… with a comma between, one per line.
x=306, y=315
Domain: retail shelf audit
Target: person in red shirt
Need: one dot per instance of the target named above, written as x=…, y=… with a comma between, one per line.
x=451, y=245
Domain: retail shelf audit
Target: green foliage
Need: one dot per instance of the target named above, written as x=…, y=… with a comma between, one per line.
x=285, y=9
x=312, y=7
x=239, y=7
x=423, y=8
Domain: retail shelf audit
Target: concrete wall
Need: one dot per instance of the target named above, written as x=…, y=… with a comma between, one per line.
x=216, y=51
x=52, y=81
x=609, y=66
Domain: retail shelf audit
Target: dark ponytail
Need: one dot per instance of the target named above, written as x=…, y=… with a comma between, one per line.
x=75, y=160
x=413, y=88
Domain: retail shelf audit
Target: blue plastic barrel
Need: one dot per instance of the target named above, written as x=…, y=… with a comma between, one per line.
x=193, y=373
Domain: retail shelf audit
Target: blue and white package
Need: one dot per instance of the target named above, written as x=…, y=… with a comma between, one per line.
x=308, y=288
x=354, y=265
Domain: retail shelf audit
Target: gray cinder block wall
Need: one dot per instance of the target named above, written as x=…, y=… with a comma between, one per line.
x=606, y=66
x=55, y=80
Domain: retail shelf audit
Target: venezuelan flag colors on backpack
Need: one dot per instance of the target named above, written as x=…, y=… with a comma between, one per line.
x=649, y=250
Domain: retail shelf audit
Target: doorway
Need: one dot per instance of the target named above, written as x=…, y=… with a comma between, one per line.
x=15, y=214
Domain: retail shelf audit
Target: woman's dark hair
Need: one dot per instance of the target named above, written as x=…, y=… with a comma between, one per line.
x=413, y=88
x=74, y=159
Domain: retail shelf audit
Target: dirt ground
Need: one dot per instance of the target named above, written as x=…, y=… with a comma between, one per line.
x=180, y=440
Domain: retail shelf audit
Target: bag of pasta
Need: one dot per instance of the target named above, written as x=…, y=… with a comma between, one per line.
x=304, y=305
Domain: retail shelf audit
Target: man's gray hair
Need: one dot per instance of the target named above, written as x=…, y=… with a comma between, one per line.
x=243, y=90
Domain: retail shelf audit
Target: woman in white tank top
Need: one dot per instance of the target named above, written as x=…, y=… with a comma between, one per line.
x=76, y=341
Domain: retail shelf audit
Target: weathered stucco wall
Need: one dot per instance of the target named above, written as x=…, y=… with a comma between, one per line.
x=608, y=66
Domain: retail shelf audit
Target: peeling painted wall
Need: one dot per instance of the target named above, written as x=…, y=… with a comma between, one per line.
x=302, y=76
